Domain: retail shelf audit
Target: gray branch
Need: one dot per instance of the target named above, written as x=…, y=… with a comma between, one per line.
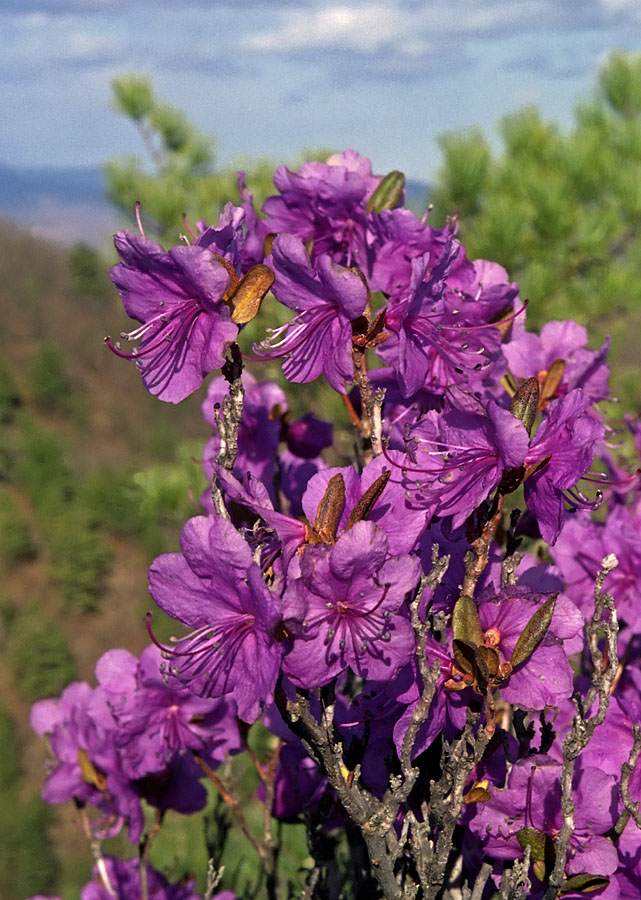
x=604, y=669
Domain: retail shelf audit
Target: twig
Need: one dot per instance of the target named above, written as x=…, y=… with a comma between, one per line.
x=228, y=422
x=96, y=851
x=233, y=805
x=481, y=880
x=214, y=877
x=580, y=735
x=631, y=806
x=143, y=854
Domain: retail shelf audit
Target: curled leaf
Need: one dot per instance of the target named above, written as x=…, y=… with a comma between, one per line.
x=584, y=884
x=491, y=658
x=329, y=512
x=248, y=296
x=534, y=632
x=542, y=852
x=364, y=506
x=389, y=192
x=472, y=664
x=477, y=794
x=551, y=382
x=89, y=772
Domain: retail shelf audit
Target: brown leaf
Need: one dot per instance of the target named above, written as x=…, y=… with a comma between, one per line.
x=477, y=794
x=551, y=382
x=329, y=511
x=246, y=300
x=364, y=506
x=525, y=403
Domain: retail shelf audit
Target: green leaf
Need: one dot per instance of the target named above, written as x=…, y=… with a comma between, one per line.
x=542, y=851
x=388, y=194
x=466, y=625
x=584, y=884
x=534, y=632
x=535, y=839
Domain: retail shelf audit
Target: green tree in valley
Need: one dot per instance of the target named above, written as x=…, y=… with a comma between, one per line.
x=562, y=211
x=183, y=177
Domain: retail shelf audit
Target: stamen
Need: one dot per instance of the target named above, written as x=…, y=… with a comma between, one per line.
x=139, y=221
x=187, y=226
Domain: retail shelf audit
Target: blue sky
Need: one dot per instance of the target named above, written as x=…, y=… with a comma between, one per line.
x=270, y=77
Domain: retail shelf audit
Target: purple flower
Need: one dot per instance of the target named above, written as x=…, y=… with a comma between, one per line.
x=394, y=238
x=124, y=881
x=545, y=677
x=153, y=717
x=436, y=338
x=306, y=437
x=460, y=458
x=532, y=799
x=580, y=550
x=326, y=297
x=530, y=355
x=324, y=203
x=214, y=587
x=352, y=597
x=179, y=299
x=562, y=450
x=87, y=765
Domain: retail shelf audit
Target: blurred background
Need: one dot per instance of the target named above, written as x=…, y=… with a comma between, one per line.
x=524, y=116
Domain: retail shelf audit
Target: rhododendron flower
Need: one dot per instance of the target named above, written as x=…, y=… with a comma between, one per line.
x=351, y=597
x=326, y=297
x=179, y=298
x=324, y=203
x=461, y=456
x=124, y=881
x=562, y=451
x=214, y=587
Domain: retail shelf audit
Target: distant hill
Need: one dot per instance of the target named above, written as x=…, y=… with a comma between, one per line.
x=65, y=205
x=20, y=186
x=69, y=205
x=416, y=194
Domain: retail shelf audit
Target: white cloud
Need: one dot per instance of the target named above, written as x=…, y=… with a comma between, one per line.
x=365, y=29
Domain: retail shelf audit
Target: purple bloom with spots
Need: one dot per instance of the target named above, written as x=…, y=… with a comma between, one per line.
x=121, y=878
x=325, y=204
x=179, y=297
x=460, y=458
x=352, y=597
x=214, y=586
x=326, y=298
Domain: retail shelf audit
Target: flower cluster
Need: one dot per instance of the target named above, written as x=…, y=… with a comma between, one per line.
x=427, y=629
